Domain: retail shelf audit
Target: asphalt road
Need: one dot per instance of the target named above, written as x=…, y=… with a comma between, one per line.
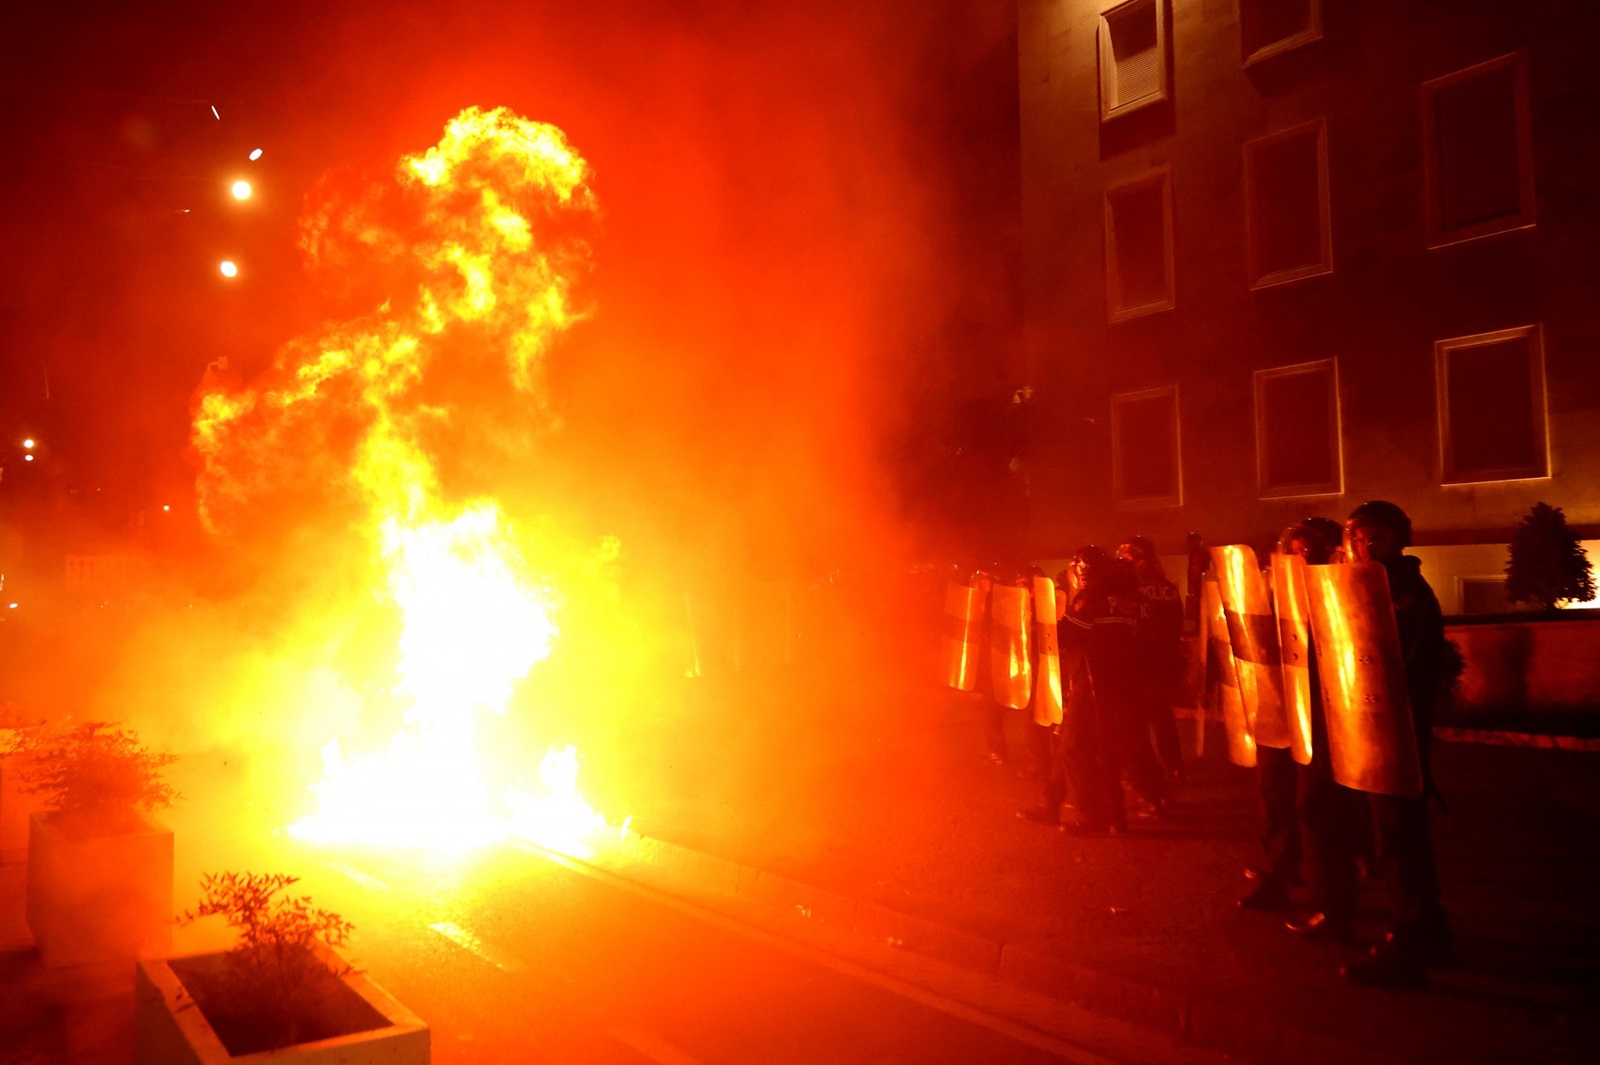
x=510, y=957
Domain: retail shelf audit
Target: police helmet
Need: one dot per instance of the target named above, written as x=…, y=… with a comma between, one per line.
x=1381, y=512
x=1138, y=548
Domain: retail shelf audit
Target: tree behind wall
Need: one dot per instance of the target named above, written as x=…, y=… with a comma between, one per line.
x=1547, y=565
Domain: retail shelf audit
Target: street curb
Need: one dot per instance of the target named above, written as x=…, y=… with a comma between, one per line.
x=1497, y=738
x=1487, y=736
x=1190, y=1020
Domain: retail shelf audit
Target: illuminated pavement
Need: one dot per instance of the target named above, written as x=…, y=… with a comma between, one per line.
x=511, y=957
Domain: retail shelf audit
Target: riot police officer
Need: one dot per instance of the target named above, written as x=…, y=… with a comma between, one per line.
x=1329, y=814
x=1379, y=531
x=1106, y=736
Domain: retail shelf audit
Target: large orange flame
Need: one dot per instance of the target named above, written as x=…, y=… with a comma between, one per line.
x=480, y=227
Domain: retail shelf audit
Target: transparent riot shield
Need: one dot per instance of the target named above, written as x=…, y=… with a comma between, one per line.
x=1371, y=742
x=1010, y=639
x=961, y=652
x=1253, y=634
x=1241, y=742
x=1047, y=703
x=1294, y=648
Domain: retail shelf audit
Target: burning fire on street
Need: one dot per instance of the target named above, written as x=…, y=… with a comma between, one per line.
x=485, y=230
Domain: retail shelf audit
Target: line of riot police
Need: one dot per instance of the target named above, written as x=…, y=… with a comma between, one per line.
x=1329, y=674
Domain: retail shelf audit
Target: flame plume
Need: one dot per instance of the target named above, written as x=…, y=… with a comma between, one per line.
x=478, y=239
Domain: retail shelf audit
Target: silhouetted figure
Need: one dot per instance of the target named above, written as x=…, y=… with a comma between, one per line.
x=1107, y=737
x=1160, y=646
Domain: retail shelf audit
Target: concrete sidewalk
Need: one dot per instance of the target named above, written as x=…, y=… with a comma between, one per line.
x=917, y=845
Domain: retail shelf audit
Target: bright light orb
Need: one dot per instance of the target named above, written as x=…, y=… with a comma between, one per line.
x=242, y=190
x=255, y=155
x=28, y=443
x=27, y=458
x=229, y=268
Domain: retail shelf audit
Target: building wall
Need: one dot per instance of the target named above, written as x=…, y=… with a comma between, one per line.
x=1380, y=311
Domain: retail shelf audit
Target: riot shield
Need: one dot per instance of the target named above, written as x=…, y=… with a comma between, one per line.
x=961, y=653
x=1371, y=741
x=1047, y=702
x=1253, y=634
x=1294, y=647
x=1009, y=643
x=1241, y=742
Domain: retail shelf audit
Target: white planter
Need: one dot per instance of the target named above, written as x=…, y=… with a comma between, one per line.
x=98, y=897
x=170, y=1030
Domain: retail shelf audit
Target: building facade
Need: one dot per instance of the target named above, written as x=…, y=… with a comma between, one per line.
x=1283, y=256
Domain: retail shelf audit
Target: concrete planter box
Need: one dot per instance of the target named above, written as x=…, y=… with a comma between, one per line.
x=1547, y=668
x=95, y=896
x=169, y=1028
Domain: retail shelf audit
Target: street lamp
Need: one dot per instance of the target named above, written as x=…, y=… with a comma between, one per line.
x=229, y=268
x=242, y=189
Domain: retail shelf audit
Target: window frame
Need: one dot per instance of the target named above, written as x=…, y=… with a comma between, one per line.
x=1324, y=265
x=1161, y=176
x=1306, y=36
x=1448, y=474
x=1107, y=63
x=1527, y=216
x=1120, y=399
x=1309, y=490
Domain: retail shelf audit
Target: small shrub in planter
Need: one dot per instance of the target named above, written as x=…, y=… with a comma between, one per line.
x=266, y=992
x=1547, y=565
x=93, y=775
x=99, y=883
x=282, y=990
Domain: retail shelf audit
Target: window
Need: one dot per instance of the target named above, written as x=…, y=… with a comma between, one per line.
x=1272, y=27
x=1287, y=219
x=1478, y=151
x=1485, y=595
x=1139, y=247
x=1133, y=57
x=1492, y=406
x=1298, y=443
x=1145, y=463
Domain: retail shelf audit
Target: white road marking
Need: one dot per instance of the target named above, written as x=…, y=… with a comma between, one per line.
x=371, y=883
x=465, y=939
x=655, y=1049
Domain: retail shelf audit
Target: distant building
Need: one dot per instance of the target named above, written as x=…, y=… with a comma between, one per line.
x=1283, y=256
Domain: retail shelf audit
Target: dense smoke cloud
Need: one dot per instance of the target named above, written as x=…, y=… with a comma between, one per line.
x=797, y=213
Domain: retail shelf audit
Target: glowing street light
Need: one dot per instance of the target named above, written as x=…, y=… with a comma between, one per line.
x=242, y=189
x=255, y=155
x=229, y=268
x=28, y=443
x=27, y=458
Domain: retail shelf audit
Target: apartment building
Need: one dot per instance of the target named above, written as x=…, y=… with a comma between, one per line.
x=1282, y=256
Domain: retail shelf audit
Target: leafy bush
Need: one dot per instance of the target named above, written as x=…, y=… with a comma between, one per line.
x=92, y=771
x=266, y=995
x=1547, y=565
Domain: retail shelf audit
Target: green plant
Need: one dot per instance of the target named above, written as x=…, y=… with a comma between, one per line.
x=92, y=770
x=1547, y=565
x=265, y=996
